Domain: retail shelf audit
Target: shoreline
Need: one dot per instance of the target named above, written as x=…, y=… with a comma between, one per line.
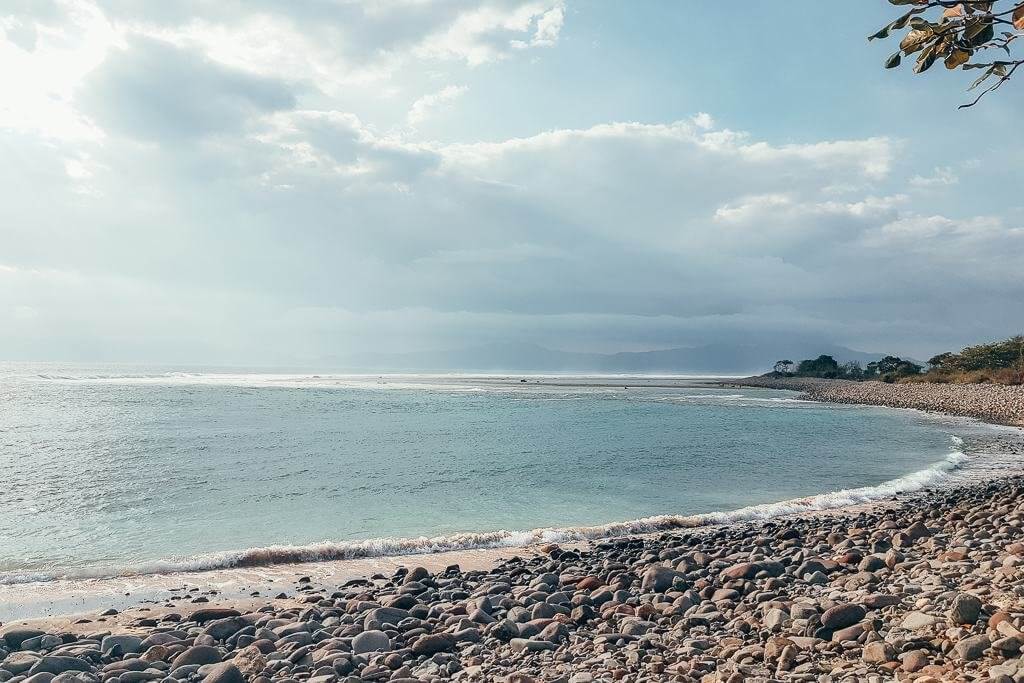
x=533, y=640
x=239, y=575
x=992, y=403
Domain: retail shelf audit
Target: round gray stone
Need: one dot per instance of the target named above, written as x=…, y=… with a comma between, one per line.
x=371, y=641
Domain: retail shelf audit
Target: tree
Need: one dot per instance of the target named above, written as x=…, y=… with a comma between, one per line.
x=889, y=364
x=941, y=361
x=908, y=368
x=1004, y=354
x=852, y=370
x=892, y=367
x=963, y=34
x=783, y=367
x=822, y=366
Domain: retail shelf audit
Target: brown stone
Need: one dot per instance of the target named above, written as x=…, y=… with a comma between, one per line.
x=878, y=652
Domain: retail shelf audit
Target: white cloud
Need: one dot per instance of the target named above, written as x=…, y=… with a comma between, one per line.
x=491, y=30
x=154, y=90
x=943, y=176
x=40, y=75
x=703, y=120
x=757, y=208
x=197, y=173
x=752, y=208
x=663, y=228
x=429, y=105
x=549, y=26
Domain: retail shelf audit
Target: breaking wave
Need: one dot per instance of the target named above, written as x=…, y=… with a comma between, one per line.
x=939, y=474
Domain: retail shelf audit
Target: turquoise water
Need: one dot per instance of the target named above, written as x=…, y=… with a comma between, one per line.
x=111, y=470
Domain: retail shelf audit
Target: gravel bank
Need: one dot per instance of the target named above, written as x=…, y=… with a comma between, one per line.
x=989, y=402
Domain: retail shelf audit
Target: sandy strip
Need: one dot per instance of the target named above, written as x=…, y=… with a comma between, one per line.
x=64, y=602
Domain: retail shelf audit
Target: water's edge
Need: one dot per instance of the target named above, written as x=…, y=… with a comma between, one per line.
x=237, y=572
x=935, y=475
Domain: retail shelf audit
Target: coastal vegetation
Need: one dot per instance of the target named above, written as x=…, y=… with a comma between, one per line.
x=889, y=368
x=999, y=362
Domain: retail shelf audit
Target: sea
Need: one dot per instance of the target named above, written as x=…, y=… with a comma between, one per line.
x=117, y=470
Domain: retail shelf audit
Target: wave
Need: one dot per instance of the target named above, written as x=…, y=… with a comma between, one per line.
x=739, y=398
x=936, y=475
x=554, y=387
x=115, y=377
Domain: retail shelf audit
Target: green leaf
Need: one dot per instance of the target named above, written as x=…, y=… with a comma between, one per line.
x=893, y=61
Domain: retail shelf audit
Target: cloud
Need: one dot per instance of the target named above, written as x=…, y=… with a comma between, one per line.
x=225, y=180
x=156, y=91
x=342, y=43
x=943, y=176
x=46, y=49
x=325, y=146
x=549, y=26
x=490, y=30
x=427, y=105
x=655, y=234
x=703, y=120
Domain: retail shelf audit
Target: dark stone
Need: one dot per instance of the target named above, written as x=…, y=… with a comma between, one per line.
x=201, y=616
x=842, y=616
x=432, y=643
x=197, y=654
x=222, y=629
x=58, y=665
x=16, y=636
x=225, y=672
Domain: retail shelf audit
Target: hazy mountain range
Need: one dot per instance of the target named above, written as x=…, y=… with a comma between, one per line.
x=724, y=358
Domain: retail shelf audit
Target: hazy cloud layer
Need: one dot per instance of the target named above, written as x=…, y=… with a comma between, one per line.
x=203, y=188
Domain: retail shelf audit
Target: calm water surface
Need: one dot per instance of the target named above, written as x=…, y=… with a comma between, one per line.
x=109, y=468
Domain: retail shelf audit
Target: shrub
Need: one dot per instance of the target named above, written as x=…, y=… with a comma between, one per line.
x=997, y=363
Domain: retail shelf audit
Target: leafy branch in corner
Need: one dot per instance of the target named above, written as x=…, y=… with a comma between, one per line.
x=964, y=34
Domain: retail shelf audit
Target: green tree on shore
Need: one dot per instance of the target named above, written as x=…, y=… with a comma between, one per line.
x=999, y=362
x=783, y=367
x=822, y=366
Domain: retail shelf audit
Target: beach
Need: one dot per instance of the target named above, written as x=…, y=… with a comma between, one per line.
x=923, y=585
x=995, y=403
x=408, y=341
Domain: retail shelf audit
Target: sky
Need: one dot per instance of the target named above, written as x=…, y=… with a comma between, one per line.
x=266, y=181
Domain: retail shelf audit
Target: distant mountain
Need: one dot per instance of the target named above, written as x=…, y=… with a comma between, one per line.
x=724, y=358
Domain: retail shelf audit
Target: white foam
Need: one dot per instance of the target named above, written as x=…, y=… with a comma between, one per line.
x=461, y=382
x=937, y=475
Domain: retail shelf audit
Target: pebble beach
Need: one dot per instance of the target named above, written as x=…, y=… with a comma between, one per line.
x=926, y=586
x=995, y=403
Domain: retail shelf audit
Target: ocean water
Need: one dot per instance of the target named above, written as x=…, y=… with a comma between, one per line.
x=112, y=470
